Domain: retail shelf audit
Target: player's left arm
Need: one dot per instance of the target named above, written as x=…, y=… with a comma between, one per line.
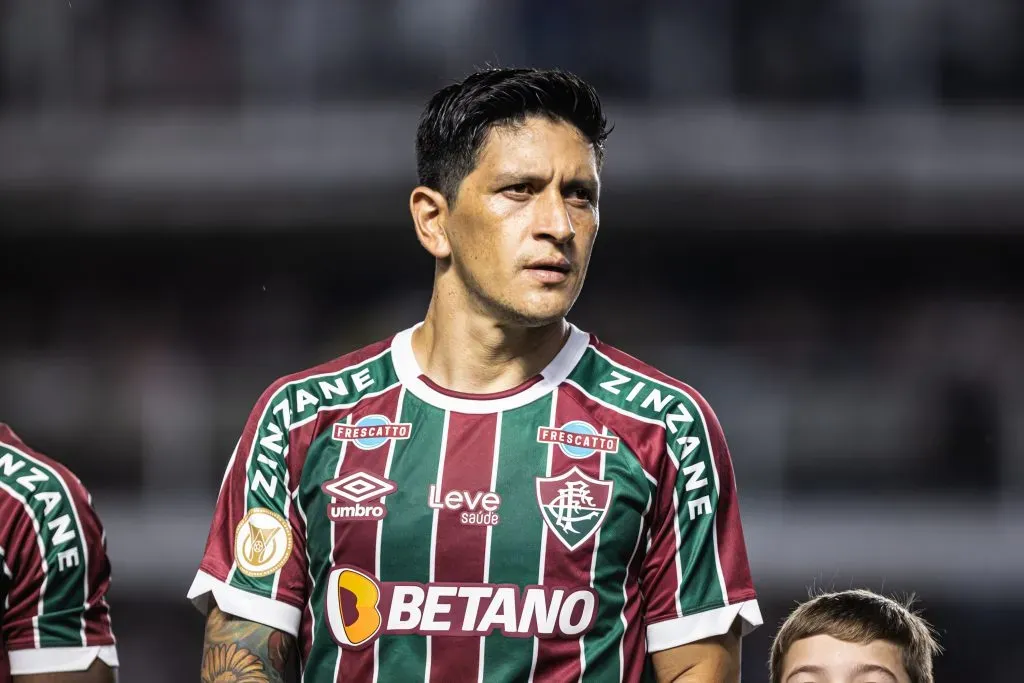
x=56, y=628
x=699, y=594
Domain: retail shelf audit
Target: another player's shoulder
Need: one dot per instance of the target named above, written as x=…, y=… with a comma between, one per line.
x=34, y=485
x=19, y=460
x=627, y=383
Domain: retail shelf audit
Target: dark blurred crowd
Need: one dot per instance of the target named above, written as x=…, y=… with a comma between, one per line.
x=113, y=52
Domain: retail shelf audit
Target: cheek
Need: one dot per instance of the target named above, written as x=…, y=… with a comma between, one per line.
x=487, y=254
x=586, y=235
x=491, y=236
x=488, y=247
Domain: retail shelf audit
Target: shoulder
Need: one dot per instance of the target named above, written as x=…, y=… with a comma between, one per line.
x=342, y=376
x=296, y=399
x=637, y=387
x=351, y=362
x=18, y=460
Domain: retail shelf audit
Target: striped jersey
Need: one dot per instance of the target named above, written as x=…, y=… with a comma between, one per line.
x=54, y=572
x=562, y=530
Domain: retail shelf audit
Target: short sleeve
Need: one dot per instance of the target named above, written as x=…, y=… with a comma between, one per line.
x=695, y=577
x=254, y=563
x=55, y=568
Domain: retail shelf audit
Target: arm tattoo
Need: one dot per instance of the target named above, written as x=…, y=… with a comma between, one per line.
x=243, y=651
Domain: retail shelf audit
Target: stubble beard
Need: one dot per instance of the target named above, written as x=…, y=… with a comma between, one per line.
x=504, y=309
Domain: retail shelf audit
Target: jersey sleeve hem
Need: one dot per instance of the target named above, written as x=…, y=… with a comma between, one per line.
x=240, y=603
x=60, y=659
x=677, y=631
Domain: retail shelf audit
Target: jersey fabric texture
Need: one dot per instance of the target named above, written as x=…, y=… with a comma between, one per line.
x=562, y=530
x=54, y=572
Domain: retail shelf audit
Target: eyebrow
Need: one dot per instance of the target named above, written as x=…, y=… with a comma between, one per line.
x=874, y=669
x=806, y=669
x=858, y=670
x=512, y=177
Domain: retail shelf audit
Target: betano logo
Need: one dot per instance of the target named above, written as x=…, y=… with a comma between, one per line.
x=371, y=431
x=359, y=609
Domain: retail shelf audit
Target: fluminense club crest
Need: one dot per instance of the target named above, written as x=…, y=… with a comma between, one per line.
x=573, y=505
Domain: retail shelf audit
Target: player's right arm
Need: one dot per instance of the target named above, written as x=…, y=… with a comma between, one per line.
x=252, y=578
x=237, y=649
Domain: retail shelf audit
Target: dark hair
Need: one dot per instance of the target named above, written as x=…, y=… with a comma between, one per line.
x=455, y=123
x=860, y=616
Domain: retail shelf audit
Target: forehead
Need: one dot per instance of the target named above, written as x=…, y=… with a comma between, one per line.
x=840, y=656
x=539, y=146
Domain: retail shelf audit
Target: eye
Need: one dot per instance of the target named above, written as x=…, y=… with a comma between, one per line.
x=518, y=189
x=581, y=195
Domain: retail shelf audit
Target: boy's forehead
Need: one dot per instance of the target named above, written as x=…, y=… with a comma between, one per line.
x=840, y=655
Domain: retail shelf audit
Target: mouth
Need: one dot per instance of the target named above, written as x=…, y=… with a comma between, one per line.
x=550, y=271
x=551, y=265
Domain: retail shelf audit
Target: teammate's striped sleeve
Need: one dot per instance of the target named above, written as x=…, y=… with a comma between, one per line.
x=254, y=564
x=695, y=576
x=55, y=570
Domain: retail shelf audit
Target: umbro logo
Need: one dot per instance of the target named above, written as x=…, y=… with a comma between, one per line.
x=358, y=487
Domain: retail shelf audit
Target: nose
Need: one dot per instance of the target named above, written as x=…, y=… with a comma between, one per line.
x=553, y=221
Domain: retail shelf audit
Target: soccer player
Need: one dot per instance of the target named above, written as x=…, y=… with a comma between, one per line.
x=55, y=574
x=492, y=494
x=854, y=636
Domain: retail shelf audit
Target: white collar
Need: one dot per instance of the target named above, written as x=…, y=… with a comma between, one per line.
x=410, y=374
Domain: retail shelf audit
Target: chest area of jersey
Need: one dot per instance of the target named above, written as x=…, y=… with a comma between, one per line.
x=447, y=513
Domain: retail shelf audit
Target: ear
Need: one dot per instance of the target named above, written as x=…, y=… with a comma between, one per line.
x=429, y=211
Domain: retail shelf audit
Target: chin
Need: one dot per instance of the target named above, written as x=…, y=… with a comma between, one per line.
x=534, y=314
x=536, y=320
x=531, y=308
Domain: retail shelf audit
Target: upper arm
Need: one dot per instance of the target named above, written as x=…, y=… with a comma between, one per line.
x=254, y=564
x=695, y=577
x=55, y=571
x=711, y=660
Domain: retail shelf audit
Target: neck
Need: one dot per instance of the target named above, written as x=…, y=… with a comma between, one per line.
x=464, y=350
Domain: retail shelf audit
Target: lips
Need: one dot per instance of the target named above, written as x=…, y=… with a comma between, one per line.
x=554, y=264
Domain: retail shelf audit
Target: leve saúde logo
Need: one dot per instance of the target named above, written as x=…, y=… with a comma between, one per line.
x=474, y=508
x=263, y=542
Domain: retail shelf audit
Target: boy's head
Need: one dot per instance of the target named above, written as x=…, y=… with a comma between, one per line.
x=854, y=636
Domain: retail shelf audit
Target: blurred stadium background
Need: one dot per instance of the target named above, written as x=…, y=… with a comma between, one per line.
x=813, y=212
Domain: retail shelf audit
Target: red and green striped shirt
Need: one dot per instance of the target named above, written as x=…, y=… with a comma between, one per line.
x=562, y=530
x=54, y=572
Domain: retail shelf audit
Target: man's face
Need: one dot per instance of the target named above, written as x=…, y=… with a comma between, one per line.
x=824, y=659
x=524, y=222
